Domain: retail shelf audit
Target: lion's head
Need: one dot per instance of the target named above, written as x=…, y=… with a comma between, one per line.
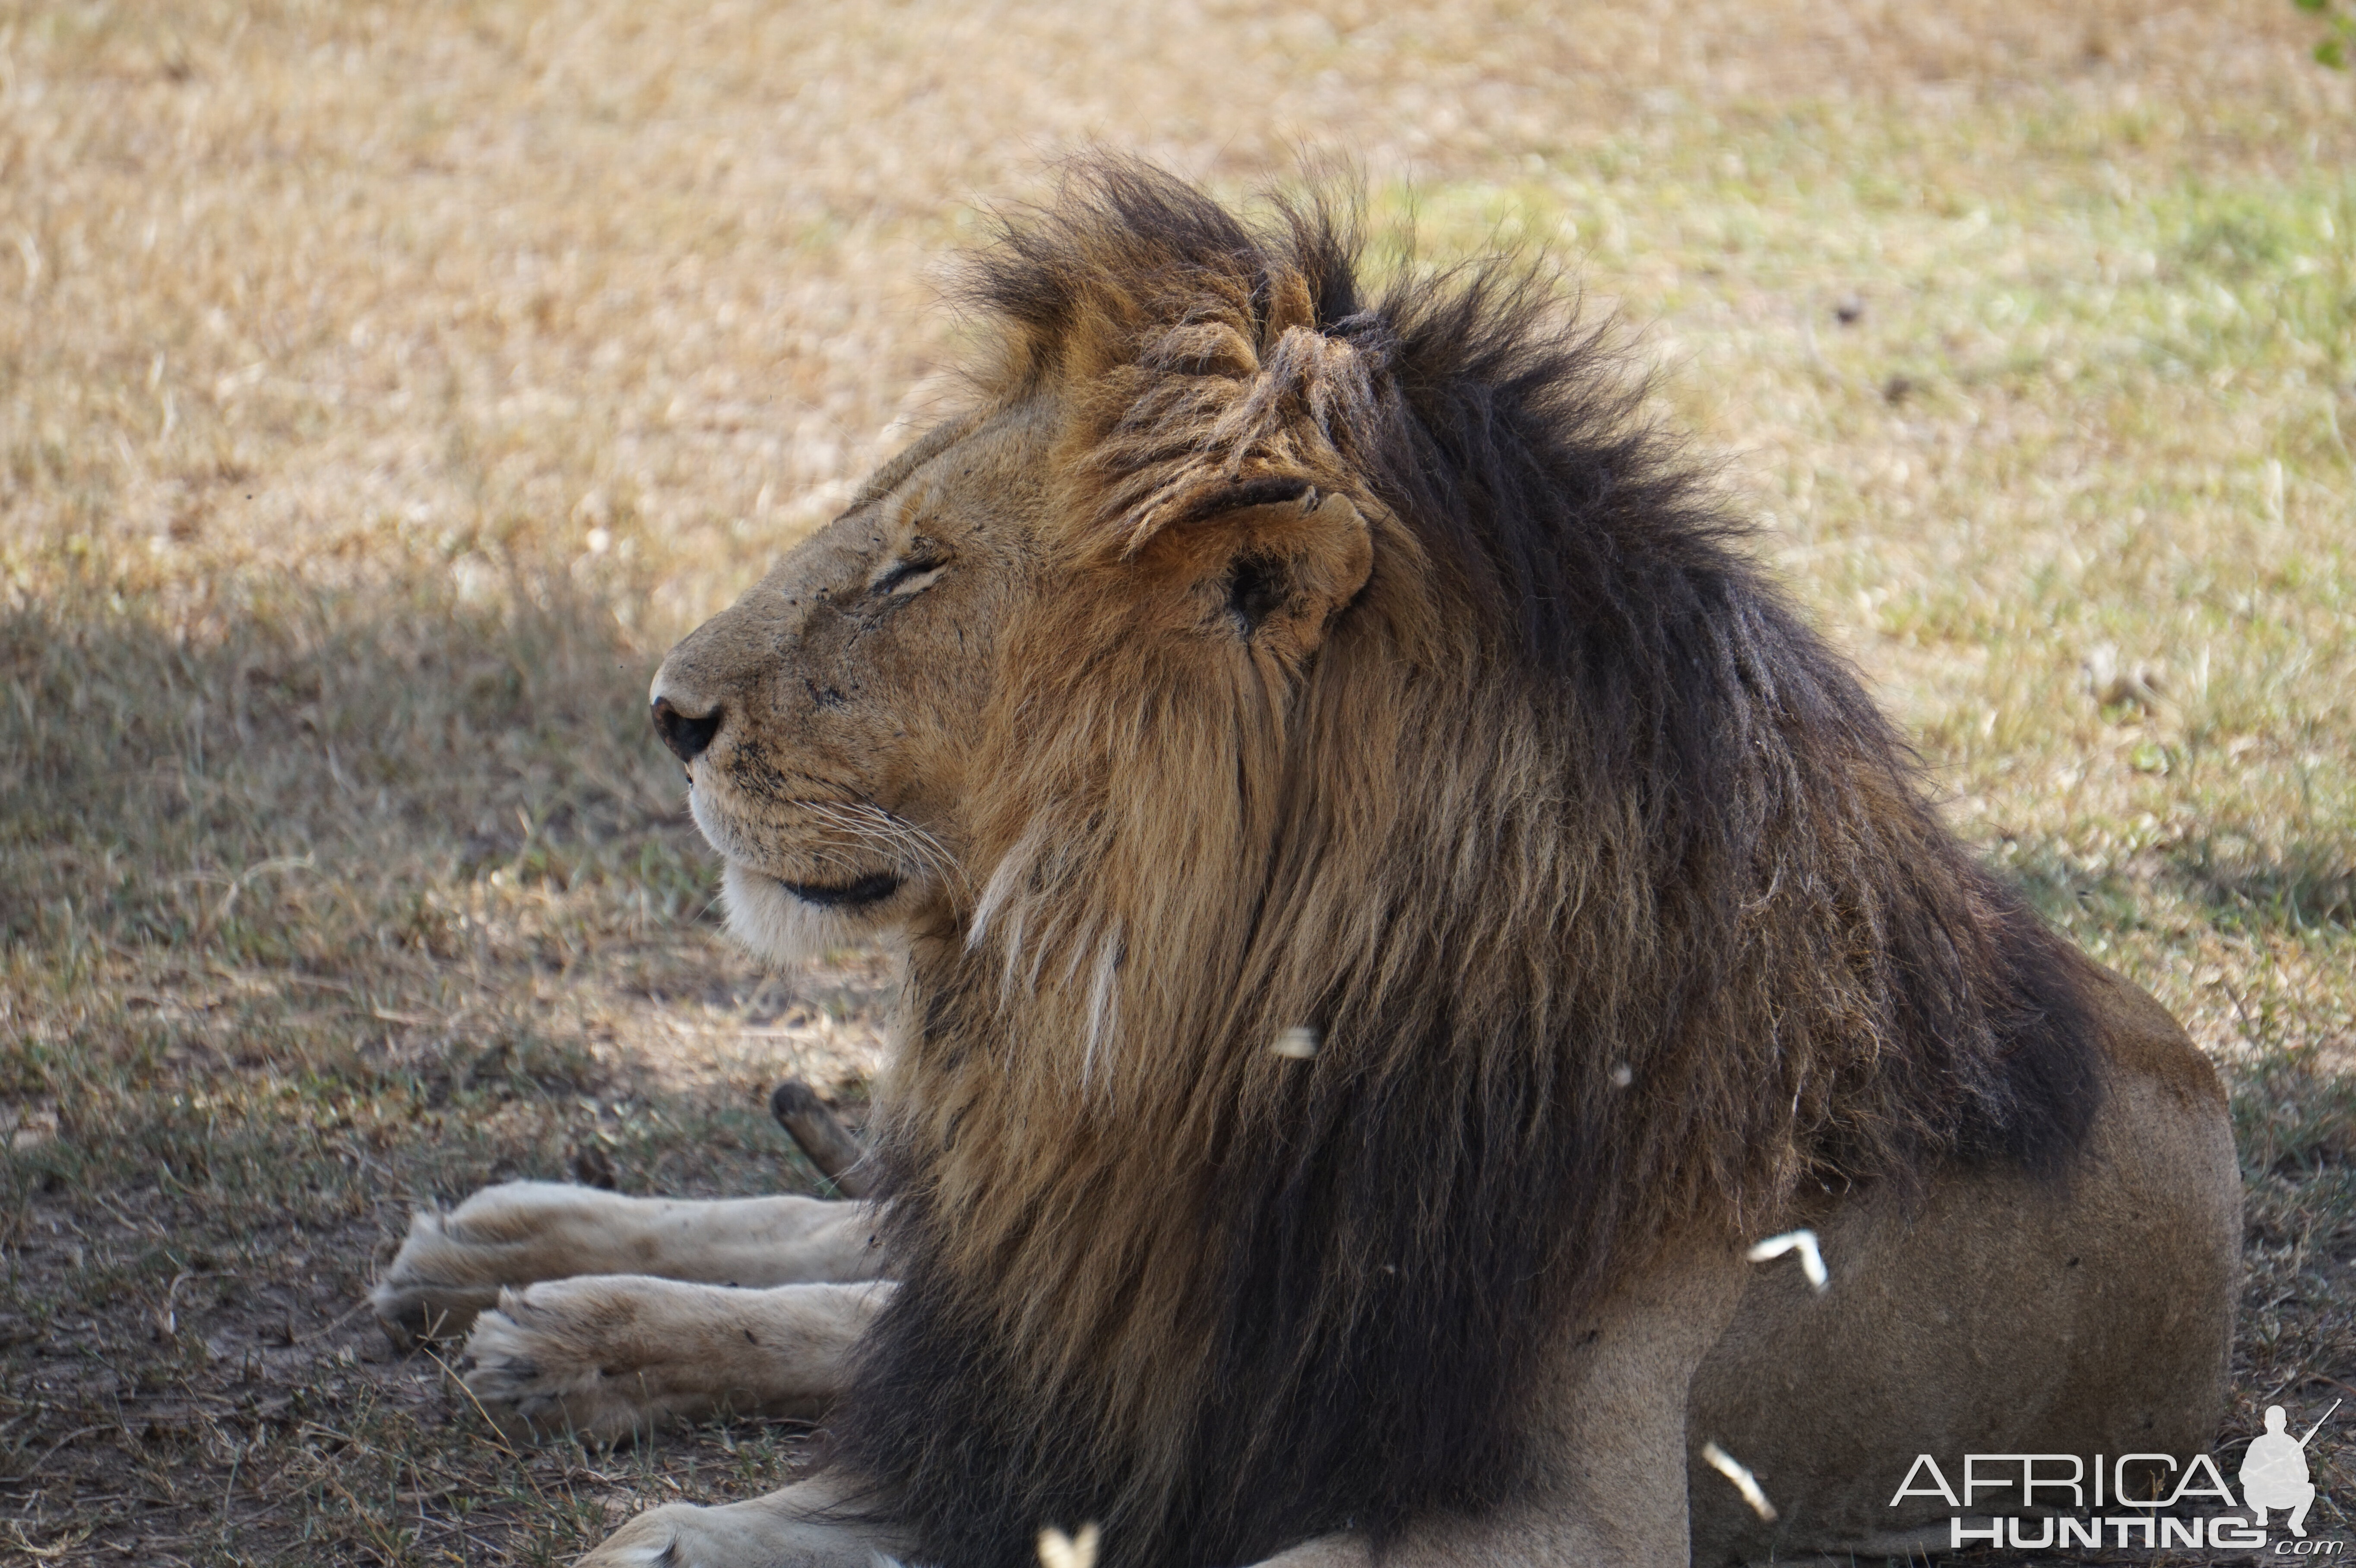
x=1255, y=654
x=833, y=720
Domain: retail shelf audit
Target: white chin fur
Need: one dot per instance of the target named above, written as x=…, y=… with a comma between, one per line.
x=780, y=927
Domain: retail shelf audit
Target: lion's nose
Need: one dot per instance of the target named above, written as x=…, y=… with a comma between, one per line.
x=686, y=734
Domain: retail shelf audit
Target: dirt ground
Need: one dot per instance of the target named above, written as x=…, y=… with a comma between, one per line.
x=383, y=388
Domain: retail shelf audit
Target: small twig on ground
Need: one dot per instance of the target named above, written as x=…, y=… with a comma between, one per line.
x=829, y=1144
x=334, y=1324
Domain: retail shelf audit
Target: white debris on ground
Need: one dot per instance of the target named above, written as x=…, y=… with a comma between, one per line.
x=1057, y=1550
x=1298, y=1044
x=1812, y=1258
x=1735, y=1470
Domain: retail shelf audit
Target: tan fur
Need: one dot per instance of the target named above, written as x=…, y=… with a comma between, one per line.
x=452, y=1266
x=609, y=1357
x=1137, y=705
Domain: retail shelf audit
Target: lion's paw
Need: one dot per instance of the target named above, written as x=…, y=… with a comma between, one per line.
x=433, y=1288
x=672, y=1535
x=765, y=1533
x=557, y=1357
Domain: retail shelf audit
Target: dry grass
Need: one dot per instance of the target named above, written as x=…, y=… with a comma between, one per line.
x=382, y=387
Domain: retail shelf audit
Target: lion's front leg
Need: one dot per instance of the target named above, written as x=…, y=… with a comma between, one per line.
x=453, y=1266
x=799, y=1527
x=614, y=1356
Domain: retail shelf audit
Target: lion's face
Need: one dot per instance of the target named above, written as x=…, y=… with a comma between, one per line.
x=827, y=718
x=839, y=723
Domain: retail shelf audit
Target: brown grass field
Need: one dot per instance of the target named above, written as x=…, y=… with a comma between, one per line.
x=384, y=387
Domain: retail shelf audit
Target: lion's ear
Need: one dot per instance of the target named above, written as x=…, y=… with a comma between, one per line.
x=1274, y=561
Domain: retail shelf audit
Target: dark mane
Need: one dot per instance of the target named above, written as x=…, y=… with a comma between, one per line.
x=1645, y=923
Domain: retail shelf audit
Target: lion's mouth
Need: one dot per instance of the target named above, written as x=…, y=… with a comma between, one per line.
x=756, y=849
x=869, y=889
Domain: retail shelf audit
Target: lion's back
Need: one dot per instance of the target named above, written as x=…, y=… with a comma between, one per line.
x=2085, y=1313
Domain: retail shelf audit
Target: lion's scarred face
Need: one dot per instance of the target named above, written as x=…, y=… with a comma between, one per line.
x=826, y=718
x=830, y=721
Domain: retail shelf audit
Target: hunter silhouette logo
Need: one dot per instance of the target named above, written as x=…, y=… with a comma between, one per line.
x=2050, y=1494
x=2273, y=1472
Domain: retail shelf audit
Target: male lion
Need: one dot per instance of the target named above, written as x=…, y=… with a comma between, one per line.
x=1259, y=661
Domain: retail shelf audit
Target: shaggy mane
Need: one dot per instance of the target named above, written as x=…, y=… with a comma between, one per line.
x=1619, y=910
